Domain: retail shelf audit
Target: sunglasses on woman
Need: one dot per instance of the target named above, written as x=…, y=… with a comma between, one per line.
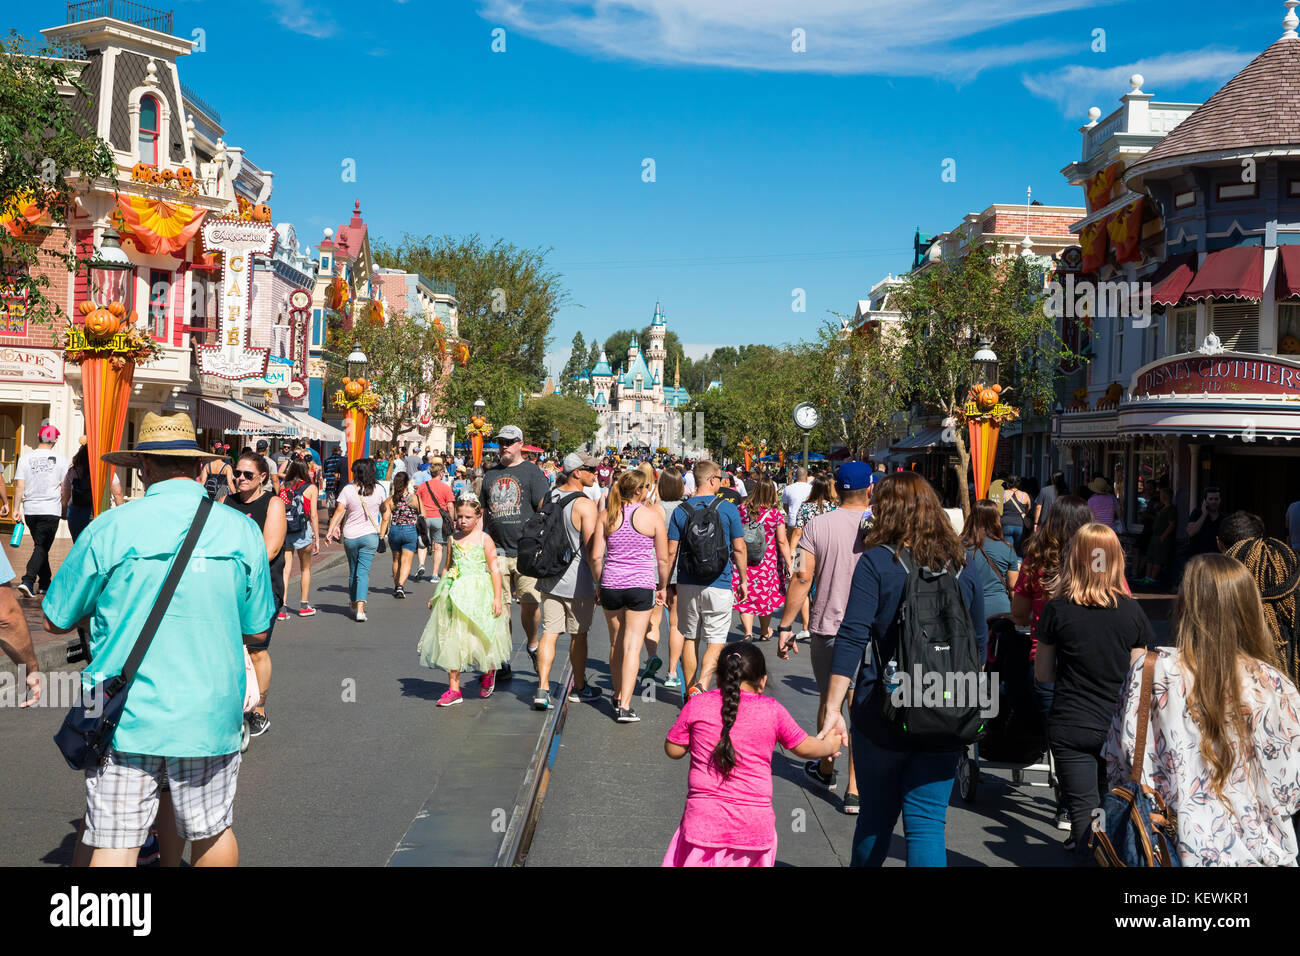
x=250, y=475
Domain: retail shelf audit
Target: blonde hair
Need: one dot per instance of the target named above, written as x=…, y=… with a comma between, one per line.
x=1092, y=573
x=1218, y=625
x=624, y=491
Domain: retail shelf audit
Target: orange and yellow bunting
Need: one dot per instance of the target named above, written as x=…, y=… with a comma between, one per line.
x=158, y=226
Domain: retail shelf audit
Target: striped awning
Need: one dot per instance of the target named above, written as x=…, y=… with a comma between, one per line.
x=236, y=418
x=313, y=429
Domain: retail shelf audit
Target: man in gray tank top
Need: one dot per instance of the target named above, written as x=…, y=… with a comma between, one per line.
x=569, y=599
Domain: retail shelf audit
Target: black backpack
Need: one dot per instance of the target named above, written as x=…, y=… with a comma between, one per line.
x=544, y=547
x=216, y=480
x=935, y=643
x=295, y=511
x=705, y=548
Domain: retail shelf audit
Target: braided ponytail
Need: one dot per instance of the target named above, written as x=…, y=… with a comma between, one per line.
x=740, y=664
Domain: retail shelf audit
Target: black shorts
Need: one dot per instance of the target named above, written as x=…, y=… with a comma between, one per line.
x=633, y=599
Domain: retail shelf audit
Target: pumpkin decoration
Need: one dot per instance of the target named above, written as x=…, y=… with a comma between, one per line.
x=986, y=398
x=165, y=176
x=185, y=177
x=363, y=383
x=1290, y=345
x=261, y=212
x=142, y=173
x=102, y=323
x=352, y=389
x=998, y=389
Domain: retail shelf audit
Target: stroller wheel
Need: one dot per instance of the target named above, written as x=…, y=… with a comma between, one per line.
x=968, y=775
x=244, y=737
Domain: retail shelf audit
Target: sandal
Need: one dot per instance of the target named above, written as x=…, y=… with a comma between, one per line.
x=766, y=637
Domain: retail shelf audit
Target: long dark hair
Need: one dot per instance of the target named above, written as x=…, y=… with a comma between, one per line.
x=363, y=475
x=297, y=471
x=740, y=664
x=1046, y=546
x=400, y=481
x=823, y=491
x=982, y=524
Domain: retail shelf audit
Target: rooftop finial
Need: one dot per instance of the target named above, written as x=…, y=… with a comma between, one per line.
x=1135, y=81
x=1094, y=114
x=1290, y=21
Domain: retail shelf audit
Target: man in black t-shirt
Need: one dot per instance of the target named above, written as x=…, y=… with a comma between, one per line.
x=513, y=491
x=1203, y=524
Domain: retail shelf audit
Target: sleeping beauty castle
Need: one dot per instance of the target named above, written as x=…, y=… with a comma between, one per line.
x=635, y=408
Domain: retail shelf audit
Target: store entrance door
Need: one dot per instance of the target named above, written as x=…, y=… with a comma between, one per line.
x=1264, y=484
x=11, y=426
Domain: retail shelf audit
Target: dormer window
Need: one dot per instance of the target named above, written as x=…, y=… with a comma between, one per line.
x=149, y=130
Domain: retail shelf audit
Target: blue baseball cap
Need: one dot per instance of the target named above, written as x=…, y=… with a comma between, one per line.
x=854, y=475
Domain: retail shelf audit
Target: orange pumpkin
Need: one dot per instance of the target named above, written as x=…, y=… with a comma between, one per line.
x=1290, y=345
x=363, y=383
x=261, y=213
x=184, y=176
x=142, y=173
x=986, y=398
x=998, y=389
x=100, y=323
x=352, y=389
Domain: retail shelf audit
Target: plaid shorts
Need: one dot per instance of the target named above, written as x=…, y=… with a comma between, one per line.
x=122, y=797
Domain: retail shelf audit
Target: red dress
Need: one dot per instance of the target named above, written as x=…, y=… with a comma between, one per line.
x=764, y=578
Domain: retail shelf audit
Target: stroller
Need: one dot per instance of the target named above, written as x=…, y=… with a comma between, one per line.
x=1016, y=738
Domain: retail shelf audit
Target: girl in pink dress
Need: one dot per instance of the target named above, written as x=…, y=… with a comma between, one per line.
x=730, y=734
x=765, y=594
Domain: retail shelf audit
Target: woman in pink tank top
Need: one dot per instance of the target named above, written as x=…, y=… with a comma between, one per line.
x=630, y=555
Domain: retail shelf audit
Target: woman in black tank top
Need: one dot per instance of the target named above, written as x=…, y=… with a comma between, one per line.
x=253, y=497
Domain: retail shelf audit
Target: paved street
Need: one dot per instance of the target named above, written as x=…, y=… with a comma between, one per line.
x=615, y=797
x=336, y=782
x=332, y=782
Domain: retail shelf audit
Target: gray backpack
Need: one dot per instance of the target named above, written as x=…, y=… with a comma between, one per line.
x=755, y=540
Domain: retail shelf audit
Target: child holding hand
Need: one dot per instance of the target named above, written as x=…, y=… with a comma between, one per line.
x=730, y=734
x=466, y=628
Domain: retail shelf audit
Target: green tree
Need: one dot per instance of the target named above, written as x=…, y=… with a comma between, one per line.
x=404, y=362
x=947, y=308
x=569, y=384
x=593, y=354
x=42, y=143
x=506, y=299
x=865, y=396
x=616, y=347
x=574, y=419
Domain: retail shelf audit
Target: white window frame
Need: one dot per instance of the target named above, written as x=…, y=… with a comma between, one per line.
x=164, y=124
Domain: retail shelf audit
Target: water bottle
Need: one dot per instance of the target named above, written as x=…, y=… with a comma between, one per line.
x=16, y=538
x=891, y=676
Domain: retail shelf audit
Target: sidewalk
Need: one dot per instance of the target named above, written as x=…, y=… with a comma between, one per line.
x=51, y=648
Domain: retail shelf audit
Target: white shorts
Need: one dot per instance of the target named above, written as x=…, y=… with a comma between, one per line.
x=705, y=612
x=122, y=797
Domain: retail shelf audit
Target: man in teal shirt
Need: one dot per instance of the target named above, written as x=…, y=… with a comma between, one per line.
x=184, y=711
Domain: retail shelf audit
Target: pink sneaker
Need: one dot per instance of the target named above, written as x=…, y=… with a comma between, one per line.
x=449, y=698
x=487, y=684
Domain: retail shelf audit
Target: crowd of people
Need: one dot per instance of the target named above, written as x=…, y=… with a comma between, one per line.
x=846, y=555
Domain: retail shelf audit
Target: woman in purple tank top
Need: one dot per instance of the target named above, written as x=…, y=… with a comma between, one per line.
x=630, y=556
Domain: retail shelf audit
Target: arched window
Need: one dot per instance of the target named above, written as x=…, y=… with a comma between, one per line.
x=149, y=126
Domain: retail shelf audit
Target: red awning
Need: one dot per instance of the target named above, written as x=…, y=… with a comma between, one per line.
x=1288, y=272
x=1236, y=273
x=1172, y=279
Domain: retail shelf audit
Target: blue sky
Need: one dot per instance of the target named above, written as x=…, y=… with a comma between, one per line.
x=774, y=169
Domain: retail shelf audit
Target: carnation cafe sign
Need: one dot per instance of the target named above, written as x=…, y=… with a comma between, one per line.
x=31, y=365
x=236, y=241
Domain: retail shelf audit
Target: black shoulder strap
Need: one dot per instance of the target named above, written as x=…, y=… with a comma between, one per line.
x=717, y=499
x=165, y=595
x=571, y=496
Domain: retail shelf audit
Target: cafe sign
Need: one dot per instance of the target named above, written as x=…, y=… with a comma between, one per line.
x=236, y=242
x=31, y=365
x=1223, y=374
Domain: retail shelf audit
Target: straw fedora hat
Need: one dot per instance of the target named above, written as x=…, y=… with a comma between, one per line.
x=169, y=435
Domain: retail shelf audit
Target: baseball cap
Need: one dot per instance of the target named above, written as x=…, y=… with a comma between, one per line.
x=48, y=433
x=579, y=460
x=262, y=445
x=854, y=475
x=510, y=433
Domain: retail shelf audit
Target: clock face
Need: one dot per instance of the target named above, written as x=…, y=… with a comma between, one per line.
x=805, y=416
x=299, y=299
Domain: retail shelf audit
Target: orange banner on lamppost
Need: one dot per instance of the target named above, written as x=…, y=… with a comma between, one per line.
x=983, y=449
x=107, y=347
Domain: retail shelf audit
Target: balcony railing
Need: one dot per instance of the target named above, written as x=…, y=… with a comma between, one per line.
x=199, y=101
x=136, y=13
x=439, y=286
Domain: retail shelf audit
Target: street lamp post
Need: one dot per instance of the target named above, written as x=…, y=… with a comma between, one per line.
x=356, y=419
x=555, y=440
x=984, y=414
x=722, y=439
x=478, y=430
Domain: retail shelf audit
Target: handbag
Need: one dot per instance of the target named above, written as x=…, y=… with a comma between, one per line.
x=1135, y=827
x=383, y=545
x=87, y=732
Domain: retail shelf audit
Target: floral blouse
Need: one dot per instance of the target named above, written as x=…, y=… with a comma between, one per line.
x=1254, y=828
x=807, y=512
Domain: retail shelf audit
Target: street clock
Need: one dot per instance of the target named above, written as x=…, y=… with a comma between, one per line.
x=806, y=416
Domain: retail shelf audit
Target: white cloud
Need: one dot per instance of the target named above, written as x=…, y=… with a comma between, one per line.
x=881, y=37
x=1075, y=88
x=295, y=15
